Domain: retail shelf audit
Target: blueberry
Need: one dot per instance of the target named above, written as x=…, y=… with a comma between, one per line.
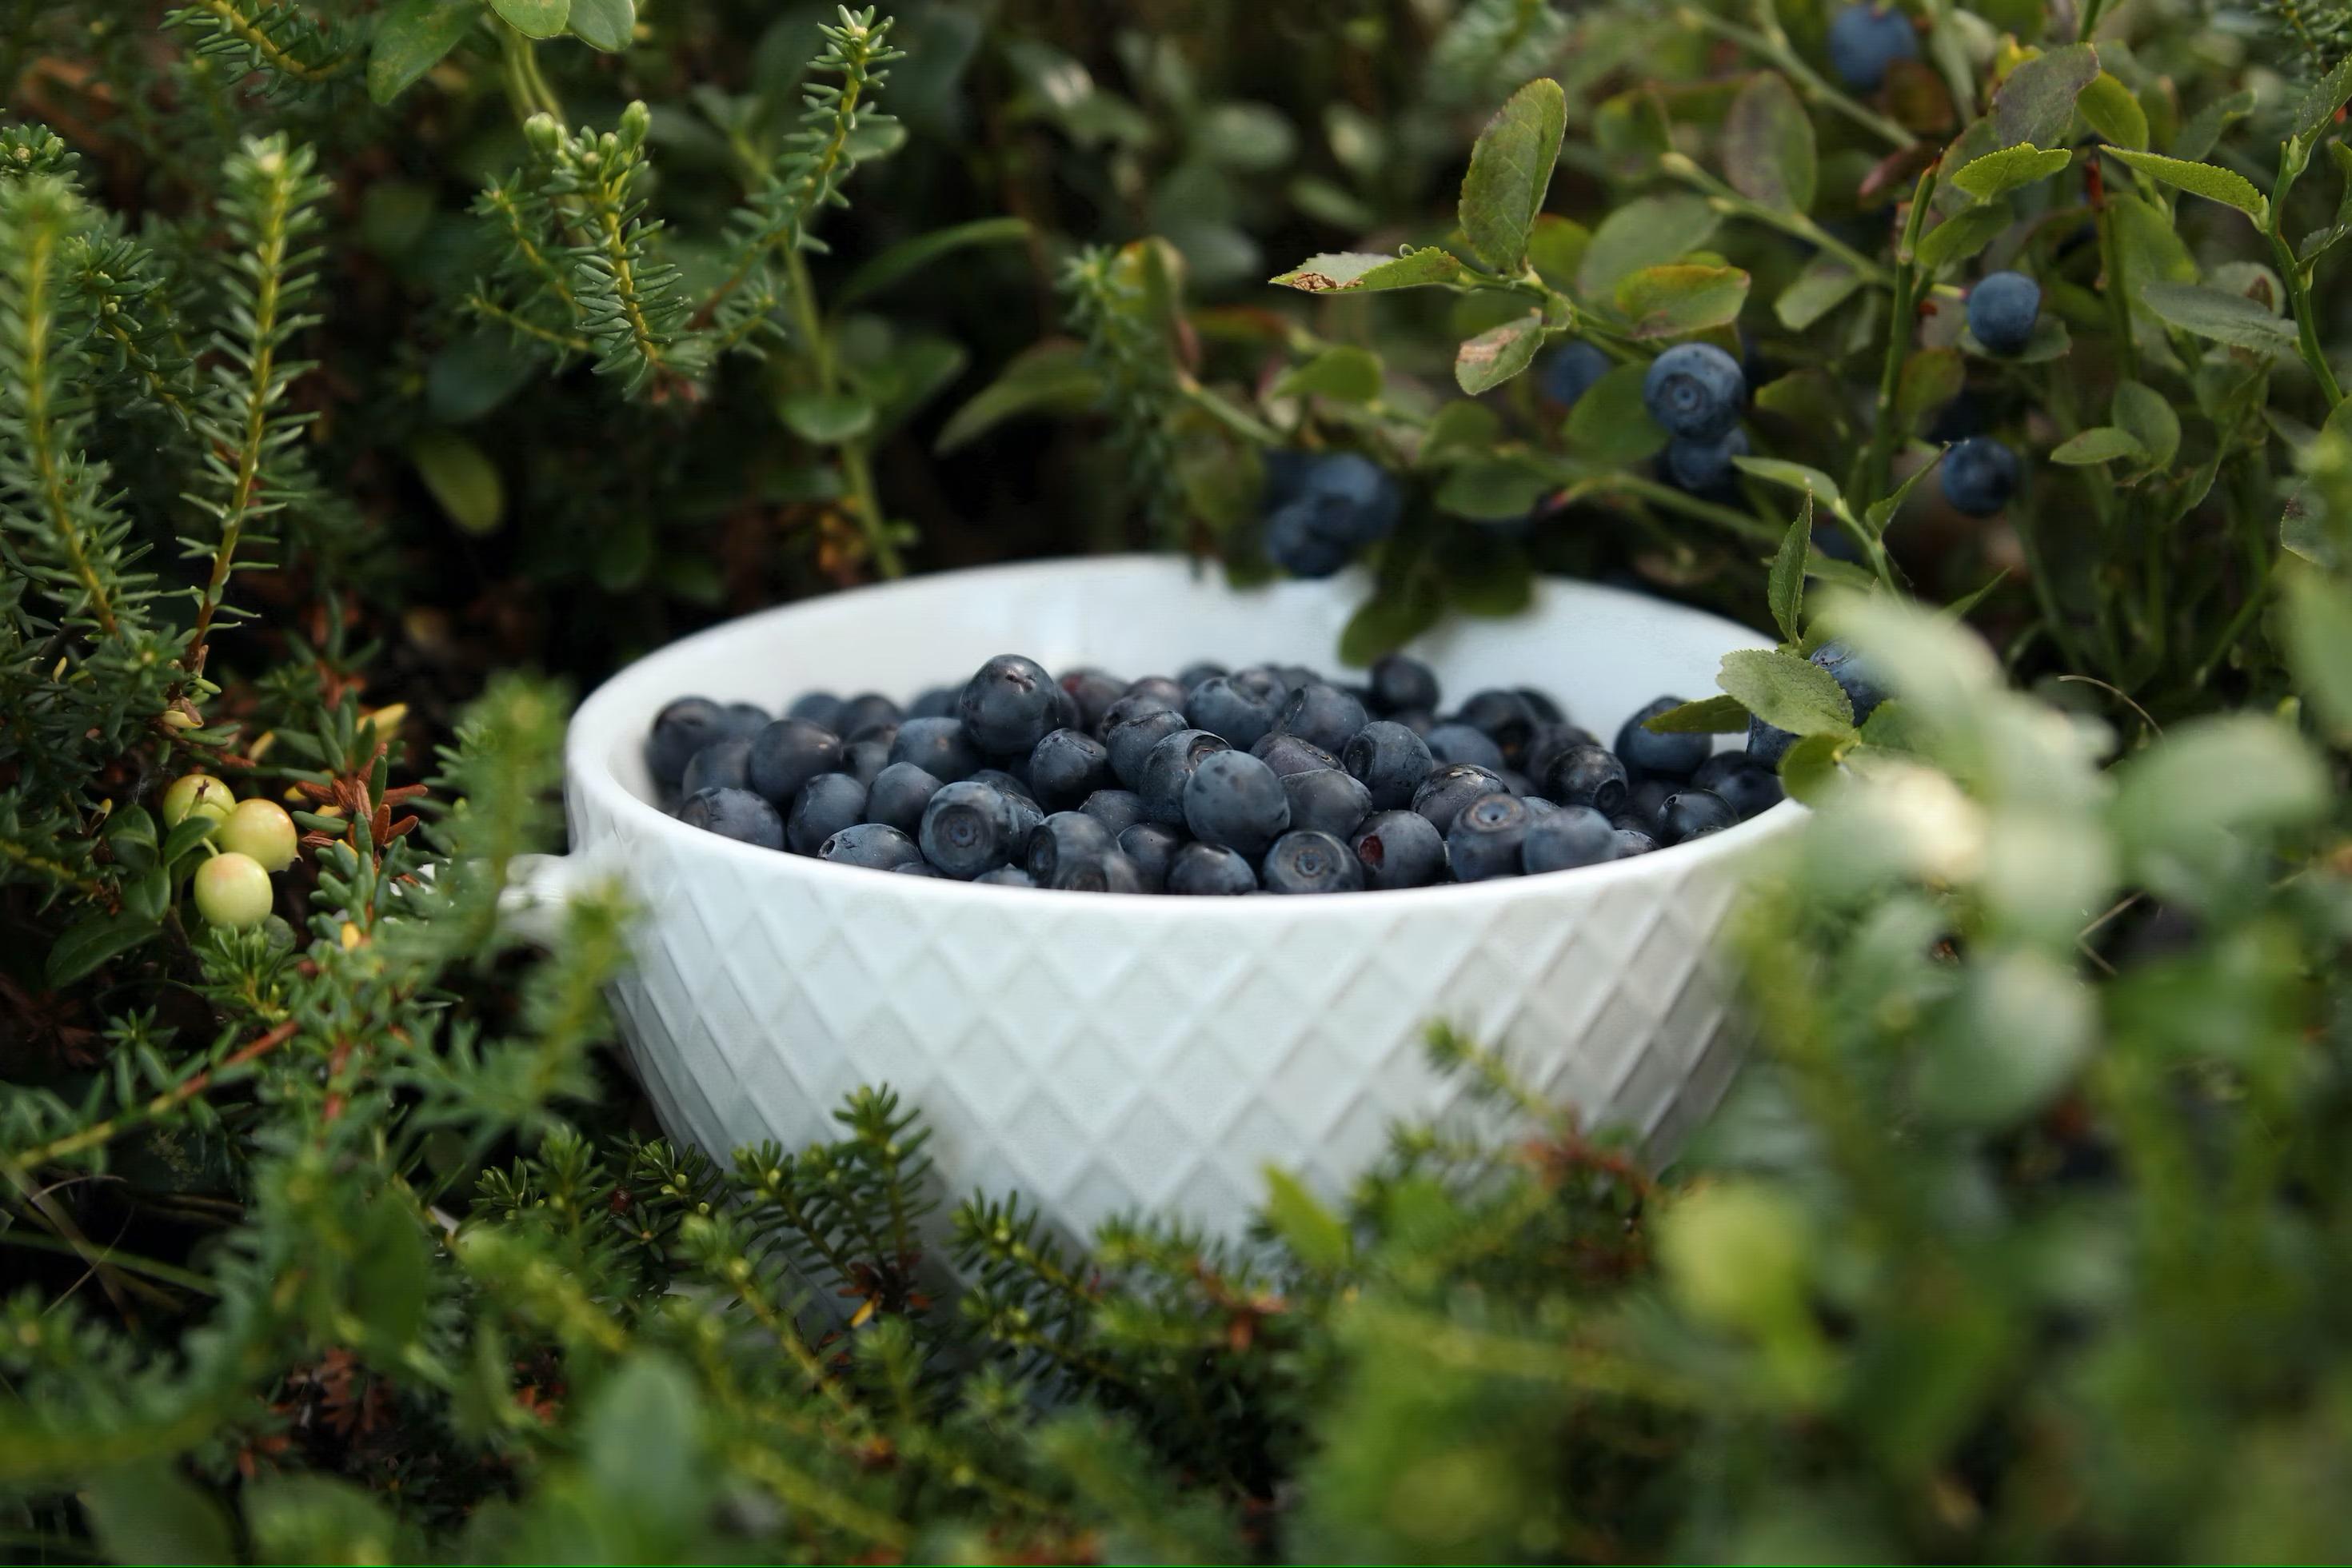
x=1588, y=776
x=1767, y=743
x=826, y=804
x=1168, y=769
x=1865, y=39
x=1345, y=502
x=1551, y=737
x=865, y=759
x=1011, y=786
x=1160, y=686
x=1632, y=841
x=1569, y=373
x=1009, y=705
x=1390, y=761
x=938, y=747
x=681, y=730
x=1327, y=800
x=1540, y=704
x=876, y=845
x=722, y=765
x=967, y=829
x=1693, y=814
x=1321, y=715
x=1093, y=691
x=1007, y=876
x=1233, y=800
x=1102, y=871
x=1223, y=706
x=919, y=868
x=1206, y=871
x=1400, y=849
x=1027, y=817
x=936, y=702
x=1642, y=804
x=1503, y=717
x=1117, y=809
x=1151, y=848
x=1401, y=682
x=1068, y=715
x=745, y=720
x=1648, y=755
x=1451, y=742
x=1420, y=720
x=1308, y=861
x=1978, y=476
x=1129, y=744
x=899, y=794
x=1853, y=675
x=735, y=814
x=1483, y=842
x=1451, y=787
x=883, y=733
x=1570, y=837
x=1517, y=782
x=2001, y=311
x=1200, y=669
x=1062, y=836
x=1705, y=468
x=1067, y=766
x=1286, y=754
x=1264, y=682
x=865, y=709
x=788, y=754
x=1695, y=391
x=817, y=707
x=1745, y=783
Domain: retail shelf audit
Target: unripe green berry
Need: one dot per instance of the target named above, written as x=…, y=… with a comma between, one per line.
x=197, y=794
x=232, y=890
x=1735, y=1254
x=260, y=829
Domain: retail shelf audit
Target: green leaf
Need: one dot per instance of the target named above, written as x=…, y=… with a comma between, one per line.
x=1346, y=372
x=462, y=478
x=2148, y=415
x=149, y=1513
x=2205, y=127
x=2225, y=317
x=1495, y=355
x=1929, y=379
x=1996, y=175
x=131, y=836
x=1809, y=767
x=534, y=18
x=2319, y=646
x=1462, y=428
x=2037, y=100
x=1796, y=477
x=184, y=839
x=607, y=25
x=1311, y=1230
x=1367, y=272
x=826, y=419
x=2235, y=772
x=389, y=1280
x=907, y=258
x=1487, y=574
x=1768, y=145
x=2020, y=1027
x=1611, y=423
x=1048, y=378
x=2151, y=246
x=1891, y=724
x=82, y=946
x=1555, y=248
x=1392, y=617
x=2108, y=108
x=2207, y=179
x=1709, y=716
x=1647, y=232
x=1785, y=584
x=2318, y=105
x=1510, y=171
x=2101, y=443
x=1961, y=235
x=1824, y=285
x=1675, y=300
x=1879, y=514
x=1492, y=490
x=411, y=38
x=1787, y=690
x=320, y=1518
x=642, y=1439
x=1822, y=567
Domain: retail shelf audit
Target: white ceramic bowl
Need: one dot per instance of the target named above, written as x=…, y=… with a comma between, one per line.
x=1098, y=1052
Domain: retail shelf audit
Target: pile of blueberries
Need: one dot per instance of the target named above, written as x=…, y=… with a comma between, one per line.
x=1267, y=778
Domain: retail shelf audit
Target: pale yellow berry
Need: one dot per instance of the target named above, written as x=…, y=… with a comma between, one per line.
x=199, y=794
x=262, y=830
x=232, y=890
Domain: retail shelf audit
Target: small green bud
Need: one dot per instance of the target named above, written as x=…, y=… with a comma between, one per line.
x=543, y=134
x=635, y=121
x=199, y=794
x=261, y=830
x=232, y=890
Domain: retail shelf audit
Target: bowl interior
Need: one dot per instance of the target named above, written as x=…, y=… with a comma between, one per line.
x=1601, y=653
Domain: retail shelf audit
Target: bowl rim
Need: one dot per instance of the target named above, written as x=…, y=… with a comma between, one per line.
x=586, y=737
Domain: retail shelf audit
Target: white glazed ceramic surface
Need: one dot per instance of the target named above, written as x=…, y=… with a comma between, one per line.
x=1101, y=1052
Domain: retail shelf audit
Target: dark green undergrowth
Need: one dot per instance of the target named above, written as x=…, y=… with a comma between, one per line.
x=373, y=377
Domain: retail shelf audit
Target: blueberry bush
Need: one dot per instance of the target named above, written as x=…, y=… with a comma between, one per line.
x=374, y=373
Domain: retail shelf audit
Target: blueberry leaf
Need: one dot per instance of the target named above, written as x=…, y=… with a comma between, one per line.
x=607, y=25
x=1368, y=272
x=2101, y=443
x=462, y=478
x=534, y=18
x=2231, y=773
x=1709, y=716
x=1392, y=617
x=2214, y=313
x=1809, y=767
x=2108, y=108
x=1556, y=248
x=2147, y=416
x=2318, y=106
x=1785, y=585
x=1961, y=235
x=1929, y=379
x=1495, y=355
x=147, y=1512
x=1768, y=145
x=1344, y=373
x=1646, y=232
x=1462, y=429
x=909, y=256
x=1892, y=727
x=87, y=944
x=1510, y=171
x=1796, y=477
x=1611, y=423
x=1788, y=691
x=2037, y=100
x=1052, y=377
x=2210, y=181
x=2050, y=341
x=411, y=38
x=1996, y=175
x=2319, y=645
x=1824, y=285
x=1673, y=301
